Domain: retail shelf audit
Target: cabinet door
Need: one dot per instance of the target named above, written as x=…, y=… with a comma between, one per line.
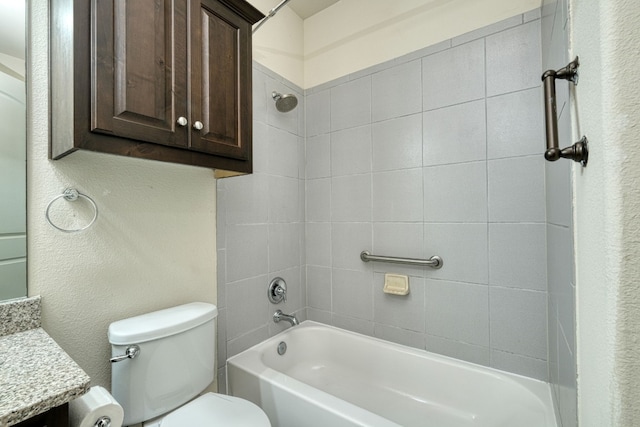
x=55, y=417
x=138, y=71
x=220, y=73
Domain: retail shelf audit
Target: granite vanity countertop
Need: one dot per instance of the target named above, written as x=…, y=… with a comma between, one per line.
x=35, y=376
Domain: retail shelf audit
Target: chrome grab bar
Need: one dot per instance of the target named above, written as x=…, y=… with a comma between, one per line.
x=433, y=262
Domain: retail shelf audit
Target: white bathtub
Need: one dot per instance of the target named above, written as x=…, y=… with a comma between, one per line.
x=332, y=377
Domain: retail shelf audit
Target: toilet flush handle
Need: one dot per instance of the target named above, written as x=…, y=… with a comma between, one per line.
x=131, y=352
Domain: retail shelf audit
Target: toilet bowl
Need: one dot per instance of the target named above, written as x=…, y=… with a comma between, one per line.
x=161, y=363
x=213, y=409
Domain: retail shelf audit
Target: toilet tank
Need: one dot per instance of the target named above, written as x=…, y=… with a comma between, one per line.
x=176, y=360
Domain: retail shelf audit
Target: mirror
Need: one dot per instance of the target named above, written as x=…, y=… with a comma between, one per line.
x=13, y=249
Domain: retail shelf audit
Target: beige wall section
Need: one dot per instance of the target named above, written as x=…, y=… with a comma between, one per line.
x=607, y=201
x=278, y=44
x=355, y=34
x=153, y=245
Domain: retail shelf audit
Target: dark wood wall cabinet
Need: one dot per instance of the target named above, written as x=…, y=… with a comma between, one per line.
x=166, y=80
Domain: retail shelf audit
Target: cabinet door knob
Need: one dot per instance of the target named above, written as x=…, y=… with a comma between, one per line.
x=182, y=121
x=198, y=125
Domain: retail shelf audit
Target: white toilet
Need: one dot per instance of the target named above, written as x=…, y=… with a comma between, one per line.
x=164, y=359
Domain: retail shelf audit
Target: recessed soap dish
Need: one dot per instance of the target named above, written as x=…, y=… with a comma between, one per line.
x=396, y=284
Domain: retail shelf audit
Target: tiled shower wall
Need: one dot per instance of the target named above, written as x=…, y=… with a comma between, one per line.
x=260, y=224
x=560, y=259
x=435, y=153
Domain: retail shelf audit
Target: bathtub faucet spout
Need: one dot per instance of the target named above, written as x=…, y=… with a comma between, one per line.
x=279, y=315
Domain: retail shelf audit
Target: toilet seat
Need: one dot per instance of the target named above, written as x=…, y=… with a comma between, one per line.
x=214, y=410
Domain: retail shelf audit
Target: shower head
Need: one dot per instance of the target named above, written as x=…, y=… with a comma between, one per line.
x=286, y=102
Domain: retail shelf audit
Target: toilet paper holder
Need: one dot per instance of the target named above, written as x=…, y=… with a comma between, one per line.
x=103, y=422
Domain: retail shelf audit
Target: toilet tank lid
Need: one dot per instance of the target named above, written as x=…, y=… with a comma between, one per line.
x=162, y=323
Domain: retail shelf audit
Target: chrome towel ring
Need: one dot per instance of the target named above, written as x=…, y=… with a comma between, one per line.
x=71, y=195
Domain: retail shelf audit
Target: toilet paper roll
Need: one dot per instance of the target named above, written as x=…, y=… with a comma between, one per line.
x=86, y=410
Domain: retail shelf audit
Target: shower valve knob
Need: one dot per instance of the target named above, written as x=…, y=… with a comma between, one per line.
x=277, y=291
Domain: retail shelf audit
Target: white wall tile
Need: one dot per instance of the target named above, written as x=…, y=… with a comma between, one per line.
x=515, y=124
x=320, y=316
x=246, y=251
x=351, y=151
x=221, y=337
x=519, y=321
x=246, y=200
x=284, y=246
x=352, y=294
x=463, y=249
x=516, y=190
x=453, y=76
x=283, y=199
x=260, y=147
x=558, y=192
x=458, y=311
x=514, y=49
x=518, y=256
x=351, y=198
x=455, y=134
x=319, y=287
x=518, y=364
x=348, y=240
x=552, y=342
x=318, y=243
x=397, y=195
x=567, y=316
x=400, y=311
x=283, y=153
x=351, y=104
x=560, y=265
x=221, y=277
x=459, y=350
x=398, y=239
x=247, y=340
x=259, y=98
x=318, y=156
x=567, y=388
x=397, y=91
x=318, y=112
x=360, y=326
x=318, y=199
x=399, y=336
x=456, y=193
x=397, y=143
x=249, y=294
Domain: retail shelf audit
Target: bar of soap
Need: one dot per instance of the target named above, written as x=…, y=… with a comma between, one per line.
x=396, y=284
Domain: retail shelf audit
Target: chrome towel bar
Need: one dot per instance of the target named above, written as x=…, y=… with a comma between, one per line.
x=433, y=262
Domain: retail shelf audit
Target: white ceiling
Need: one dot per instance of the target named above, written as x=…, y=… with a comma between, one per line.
x=307, y=8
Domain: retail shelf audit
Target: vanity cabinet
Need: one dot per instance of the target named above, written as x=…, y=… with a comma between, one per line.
x=55, y=417
x=167, y=80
